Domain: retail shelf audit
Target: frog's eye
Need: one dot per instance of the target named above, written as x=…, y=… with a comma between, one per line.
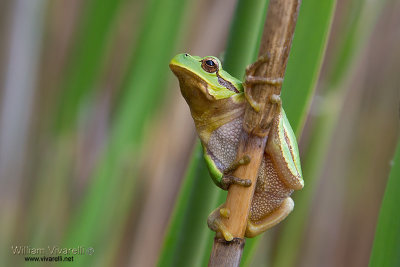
x=209, y=64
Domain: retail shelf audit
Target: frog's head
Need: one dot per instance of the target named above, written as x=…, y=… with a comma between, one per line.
x=203, y=80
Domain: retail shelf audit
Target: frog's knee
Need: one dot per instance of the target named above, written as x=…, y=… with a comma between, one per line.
x=255, y=228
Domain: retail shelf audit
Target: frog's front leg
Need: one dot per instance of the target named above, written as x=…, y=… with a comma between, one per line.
x=275, y=217
x=251, y=80
x=275, y=99
x=228, y=179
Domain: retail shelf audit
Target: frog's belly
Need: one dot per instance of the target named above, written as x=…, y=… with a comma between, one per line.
x=270, y=190
x=223, y=143
x=269, y=193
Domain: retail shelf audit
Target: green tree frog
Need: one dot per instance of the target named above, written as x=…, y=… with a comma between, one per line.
x=217, y=103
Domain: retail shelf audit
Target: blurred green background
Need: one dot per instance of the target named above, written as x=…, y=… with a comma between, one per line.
x=95, y=138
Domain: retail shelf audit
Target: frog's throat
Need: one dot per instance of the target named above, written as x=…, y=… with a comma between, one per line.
x=208, y=112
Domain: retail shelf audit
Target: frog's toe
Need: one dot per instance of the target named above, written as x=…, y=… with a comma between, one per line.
x=215, y=223
x=227, y=180
x=244, y=160
x=237, y=163
x=224, y=212
x=275, y=99
x=221, y=228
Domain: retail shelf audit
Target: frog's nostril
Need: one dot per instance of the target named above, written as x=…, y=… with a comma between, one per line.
x=186, y=55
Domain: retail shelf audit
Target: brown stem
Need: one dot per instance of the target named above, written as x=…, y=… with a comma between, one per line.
x=275, y=46
x=262, y=81
x=224, y=253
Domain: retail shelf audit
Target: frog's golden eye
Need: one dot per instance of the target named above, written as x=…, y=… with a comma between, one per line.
x=209, y=64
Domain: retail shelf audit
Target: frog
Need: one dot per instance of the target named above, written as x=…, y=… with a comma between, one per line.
x=217, y=102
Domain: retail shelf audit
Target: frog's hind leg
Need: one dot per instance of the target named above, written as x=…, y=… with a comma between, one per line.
x=271, y=220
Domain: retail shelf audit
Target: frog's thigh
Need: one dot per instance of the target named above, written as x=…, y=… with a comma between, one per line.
x=271, y=220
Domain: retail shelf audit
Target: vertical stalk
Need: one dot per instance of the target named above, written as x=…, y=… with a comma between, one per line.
x=17, y=104
x=277, y=38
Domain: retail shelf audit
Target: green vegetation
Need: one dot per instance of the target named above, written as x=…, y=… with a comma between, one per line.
x=386, y=247
x=104, y=102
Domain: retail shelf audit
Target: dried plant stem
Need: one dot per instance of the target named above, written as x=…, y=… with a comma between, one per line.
x=225, y=253
x=271, y=65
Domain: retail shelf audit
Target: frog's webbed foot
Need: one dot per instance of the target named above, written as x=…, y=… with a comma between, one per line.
x=215, y=223
x=252, y=79
x=275, y=217
x=261, y=60
x=227, y=180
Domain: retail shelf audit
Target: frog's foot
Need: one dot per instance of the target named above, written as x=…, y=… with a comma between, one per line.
x=227, y=180
x=254, y=104
x=250, y=80
x=276, y=102
x=275, y=217
x=275, y=99
x=224, y=212
x=215, y=223
x=261, y=60
x=237, y=163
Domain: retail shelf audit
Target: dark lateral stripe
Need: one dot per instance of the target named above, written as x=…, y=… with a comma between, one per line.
x=226, y=84
x=287, y=140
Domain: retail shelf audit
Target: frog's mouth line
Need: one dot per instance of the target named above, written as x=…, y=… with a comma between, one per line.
x=178, y=70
